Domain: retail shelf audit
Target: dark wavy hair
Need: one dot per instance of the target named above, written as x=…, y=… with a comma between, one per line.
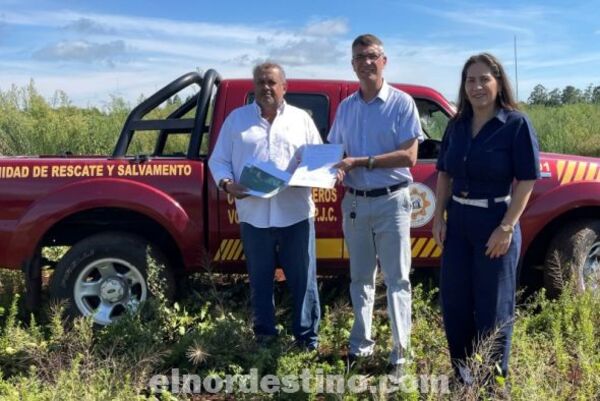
x=505, y=98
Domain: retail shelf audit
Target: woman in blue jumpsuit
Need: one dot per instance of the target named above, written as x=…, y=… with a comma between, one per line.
x=487, y=168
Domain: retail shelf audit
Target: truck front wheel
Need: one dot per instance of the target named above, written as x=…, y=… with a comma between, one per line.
x=106, y=275
x=574, y=257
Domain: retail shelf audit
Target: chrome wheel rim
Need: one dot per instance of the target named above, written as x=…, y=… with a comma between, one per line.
x=107, y=288
x=591, y=268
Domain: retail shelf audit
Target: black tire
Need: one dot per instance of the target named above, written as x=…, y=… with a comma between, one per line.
x=574, y=258
x=106, y=274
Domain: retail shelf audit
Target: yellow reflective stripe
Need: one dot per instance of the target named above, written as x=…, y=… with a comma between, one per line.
x=330, y=248
x=437, y=252
x=227, y=249
x=220, y=250
x=580, y=171
x=418, y=246
x=560, y=167
x=427, y=250
x=591, y=174
x=569, y=173
x=239, y=251
x=236, y=244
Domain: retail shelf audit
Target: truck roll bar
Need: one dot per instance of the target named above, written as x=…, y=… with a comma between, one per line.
x=174, y=122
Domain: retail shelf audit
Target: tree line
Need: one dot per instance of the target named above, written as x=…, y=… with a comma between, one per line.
x=569, y=95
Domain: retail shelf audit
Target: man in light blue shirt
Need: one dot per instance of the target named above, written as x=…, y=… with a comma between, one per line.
x=380, y=130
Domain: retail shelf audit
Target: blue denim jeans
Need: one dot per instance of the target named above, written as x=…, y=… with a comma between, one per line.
x=292, y=248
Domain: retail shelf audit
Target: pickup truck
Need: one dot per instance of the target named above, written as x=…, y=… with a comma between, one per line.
x=155, y=192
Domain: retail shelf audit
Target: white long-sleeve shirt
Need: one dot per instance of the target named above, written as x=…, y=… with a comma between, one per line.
x=247, y=137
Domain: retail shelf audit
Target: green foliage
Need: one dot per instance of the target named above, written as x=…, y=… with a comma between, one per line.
x=569, y=95
x=31, y=125
x=555, y=347
x=571, y=129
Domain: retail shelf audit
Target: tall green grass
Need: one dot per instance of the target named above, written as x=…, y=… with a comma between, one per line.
x=31, y=125
x=555, y=347
x=571, y=128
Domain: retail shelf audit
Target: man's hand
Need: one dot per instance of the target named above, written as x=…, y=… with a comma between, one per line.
x=238, y=191
x=343, y=167
x=346, y=164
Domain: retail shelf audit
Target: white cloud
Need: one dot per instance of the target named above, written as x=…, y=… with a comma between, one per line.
x=88, y=26
x=82, y=51
x=307, y=52
x=335, y=26
x=523, y=19
x=144, y=26
x=153, y=51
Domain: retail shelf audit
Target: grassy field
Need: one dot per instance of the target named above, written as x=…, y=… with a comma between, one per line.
x=572, y=128
x=207, y=333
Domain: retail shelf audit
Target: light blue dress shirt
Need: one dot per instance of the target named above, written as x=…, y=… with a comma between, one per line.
x=369, y=129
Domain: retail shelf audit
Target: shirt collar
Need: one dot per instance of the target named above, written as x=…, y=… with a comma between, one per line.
x=383, y=94
x=502, y=115
x=280, y=109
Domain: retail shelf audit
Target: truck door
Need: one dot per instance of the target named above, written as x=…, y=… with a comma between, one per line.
x=425, y=252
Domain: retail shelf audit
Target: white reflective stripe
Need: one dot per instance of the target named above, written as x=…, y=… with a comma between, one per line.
x=479, y=202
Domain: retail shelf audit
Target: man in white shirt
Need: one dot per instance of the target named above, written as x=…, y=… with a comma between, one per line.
x=380, y=129
x=278, y=230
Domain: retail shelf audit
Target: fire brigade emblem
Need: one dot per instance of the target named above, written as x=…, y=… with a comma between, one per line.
x=423, y=204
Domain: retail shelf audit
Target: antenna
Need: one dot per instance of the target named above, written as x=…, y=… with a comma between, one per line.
x=516, y=70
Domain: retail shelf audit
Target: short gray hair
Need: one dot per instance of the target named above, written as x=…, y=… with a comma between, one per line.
x=366, y=40
x=268, y=65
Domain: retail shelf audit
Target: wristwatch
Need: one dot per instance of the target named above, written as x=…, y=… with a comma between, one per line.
x=223, y=184
x=507, y=228
x=370, y=163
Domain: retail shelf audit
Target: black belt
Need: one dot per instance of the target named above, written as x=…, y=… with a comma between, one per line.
x=372, y=193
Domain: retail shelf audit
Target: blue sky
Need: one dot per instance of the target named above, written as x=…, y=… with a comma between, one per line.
x=95, y=49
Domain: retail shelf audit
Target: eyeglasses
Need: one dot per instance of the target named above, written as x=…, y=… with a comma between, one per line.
x=361, y=58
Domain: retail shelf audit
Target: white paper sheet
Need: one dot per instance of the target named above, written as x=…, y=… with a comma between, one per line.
x=316, y=168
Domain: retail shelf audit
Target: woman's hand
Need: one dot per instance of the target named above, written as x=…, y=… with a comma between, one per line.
x=498, y=243
x=439, y=230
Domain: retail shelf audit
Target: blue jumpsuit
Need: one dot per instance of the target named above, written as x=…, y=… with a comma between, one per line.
x=478, y=292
